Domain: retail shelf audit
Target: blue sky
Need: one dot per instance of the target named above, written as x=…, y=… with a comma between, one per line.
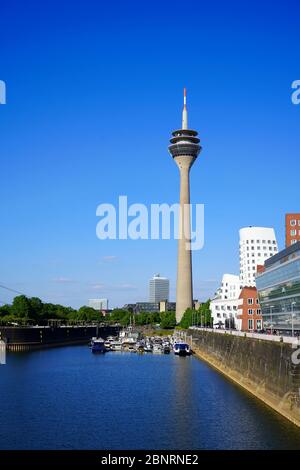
x=94, y=90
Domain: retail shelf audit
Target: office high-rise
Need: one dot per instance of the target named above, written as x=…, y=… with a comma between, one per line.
x=158, y=289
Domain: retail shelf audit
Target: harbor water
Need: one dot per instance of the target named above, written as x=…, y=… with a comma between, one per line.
x=69, y=398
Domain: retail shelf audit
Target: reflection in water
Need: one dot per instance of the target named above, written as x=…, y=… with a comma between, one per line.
x=68, y=398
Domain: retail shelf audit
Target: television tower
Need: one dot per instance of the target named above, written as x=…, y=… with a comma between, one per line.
x=184, y=149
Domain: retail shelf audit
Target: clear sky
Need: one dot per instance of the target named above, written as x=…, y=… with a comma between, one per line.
x=93, y=91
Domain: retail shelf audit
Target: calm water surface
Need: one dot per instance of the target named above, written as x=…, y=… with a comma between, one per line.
x=68, y=398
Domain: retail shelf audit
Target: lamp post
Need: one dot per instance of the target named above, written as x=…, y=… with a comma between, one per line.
x=271, y=311
x=292, y=305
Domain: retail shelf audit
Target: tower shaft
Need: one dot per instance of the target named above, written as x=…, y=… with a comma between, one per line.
x=184, y=286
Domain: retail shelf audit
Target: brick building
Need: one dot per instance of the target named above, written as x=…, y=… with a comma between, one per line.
x=249, y=313
x=292, y=229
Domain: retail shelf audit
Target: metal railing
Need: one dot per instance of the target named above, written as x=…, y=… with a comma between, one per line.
x=262, y=336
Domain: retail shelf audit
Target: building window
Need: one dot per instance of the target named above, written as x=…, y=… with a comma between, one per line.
x=293, y=232
x=250, y=324
x=258, y=324
x=250, y=311
x=293, y=223
x=258, y=311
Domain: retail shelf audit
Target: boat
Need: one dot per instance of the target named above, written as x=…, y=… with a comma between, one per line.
x=116, y=345
x=98, y=345
x=181, y=348
x=148, y=347
x=139, y=346
x=166, y=349
x=157, y=348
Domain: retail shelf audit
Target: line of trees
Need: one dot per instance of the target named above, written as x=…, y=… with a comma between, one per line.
x=200, y=317
x=25, y=310
x=165, y=319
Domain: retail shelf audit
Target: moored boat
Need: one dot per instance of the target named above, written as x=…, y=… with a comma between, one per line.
x=157, y=348
x=98, y=345
x=181, y=348
x=116, y=345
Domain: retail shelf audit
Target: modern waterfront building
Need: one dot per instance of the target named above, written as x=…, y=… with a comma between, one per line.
x=257, y=244
x=165, y=306
x=150, y=307
x=158, y=288
x=99, y=304
x=292, y=229
x=224, y=306
x=249, y=317
x=278, y=288
x=184, y=149
x=140, y=307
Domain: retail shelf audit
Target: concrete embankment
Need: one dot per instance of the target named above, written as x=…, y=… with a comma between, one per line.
x=267, y=369
x=38, y=337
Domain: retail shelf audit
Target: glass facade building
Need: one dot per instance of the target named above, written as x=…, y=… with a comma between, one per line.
x=279, y=291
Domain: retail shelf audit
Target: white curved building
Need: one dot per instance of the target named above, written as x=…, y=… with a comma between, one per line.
x=225, y=304
x=257, y=244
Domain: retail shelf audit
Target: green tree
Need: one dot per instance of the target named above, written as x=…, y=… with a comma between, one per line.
x=21, y=307
x=36, y=308
x=5, y=310
x=88, y=314
x=205, y=314
x=118, y=314
x=168, y=320
x=187, y=319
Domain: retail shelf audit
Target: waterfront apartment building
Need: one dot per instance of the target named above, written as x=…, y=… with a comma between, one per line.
x=292, y=229
x=158, y=289
x=257, y=244
x=278, y=288
x=225, y=303
x=99, y=304
x=249, y=317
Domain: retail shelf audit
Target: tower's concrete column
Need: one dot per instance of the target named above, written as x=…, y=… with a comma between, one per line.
x=184, y=149
x=184, y=288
